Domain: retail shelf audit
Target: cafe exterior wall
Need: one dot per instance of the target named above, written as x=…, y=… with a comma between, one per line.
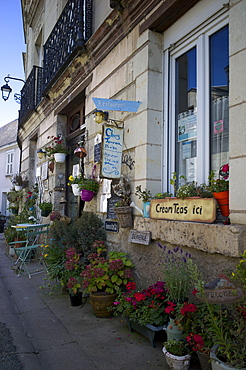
x=133, y=70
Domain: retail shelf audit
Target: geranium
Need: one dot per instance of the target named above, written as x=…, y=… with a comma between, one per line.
x=109, y=272
x=57, y=146
x=146, y=306
x=195, y=341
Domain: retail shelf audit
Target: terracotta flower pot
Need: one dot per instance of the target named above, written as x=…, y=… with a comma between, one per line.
x=101, y=301
x=223, y=202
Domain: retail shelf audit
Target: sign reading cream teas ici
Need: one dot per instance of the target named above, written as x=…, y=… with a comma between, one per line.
x=189, y=209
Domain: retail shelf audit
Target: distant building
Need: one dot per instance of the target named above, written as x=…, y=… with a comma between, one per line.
x=9, y=161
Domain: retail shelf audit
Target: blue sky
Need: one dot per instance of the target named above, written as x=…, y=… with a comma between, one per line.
x=11, y=48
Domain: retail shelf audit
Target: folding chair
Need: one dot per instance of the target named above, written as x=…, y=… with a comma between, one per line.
x=30, y=247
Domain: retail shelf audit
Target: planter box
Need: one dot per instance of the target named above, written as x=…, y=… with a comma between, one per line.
x=148, y=331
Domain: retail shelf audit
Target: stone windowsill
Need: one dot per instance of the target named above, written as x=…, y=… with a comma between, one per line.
x=229, y=240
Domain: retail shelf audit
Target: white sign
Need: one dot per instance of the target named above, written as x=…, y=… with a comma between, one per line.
x=112, y=152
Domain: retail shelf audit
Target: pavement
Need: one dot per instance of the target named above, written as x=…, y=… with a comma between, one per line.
x=39, y=329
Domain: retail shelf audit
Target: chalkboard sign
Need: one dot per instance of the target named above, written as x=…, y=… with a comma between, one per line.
x=97, y=152
x=110, y=206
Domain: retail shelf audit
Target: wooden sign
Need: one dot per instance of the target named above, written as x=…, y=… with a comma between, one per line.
x=112, y=152
x=112, y=226
x=188, y=209
x=140, y=237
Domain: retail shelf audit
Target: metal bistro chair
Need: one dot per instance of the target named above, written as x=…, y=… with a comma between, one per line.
x=31, y=248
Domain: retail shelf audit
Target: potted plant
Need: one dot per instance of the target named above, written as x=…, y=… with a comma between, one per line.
x=177, y=354
x=220, y=189
x=123, y=210
x=227, y=328
x=105, y=276
x=19, y=182
x=145, y=196
x=46, y=208
x=88, y=187
x=57, y=148
x=143, y=309
x=74, y=181
x=71, y=277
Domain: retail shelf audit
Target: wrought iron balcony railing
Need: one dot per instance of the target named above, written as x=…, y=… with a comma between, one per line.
x=67, y=39
x=31, y=93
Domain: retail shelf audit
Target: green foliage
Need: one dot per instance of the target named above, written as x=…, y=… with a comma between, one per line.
x=176, y=347
x=176, y=273
x=162, y=195
x=217, y=185
x=124, y=202
x=145, y=195
x=145, y=307
x=109, y=274
x=89, y=184
x=45, y=206
x=227, y=328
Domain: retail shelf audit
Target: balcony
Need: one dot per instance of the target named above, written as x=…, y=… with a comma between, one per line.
x=30, y=94
x=67, y=40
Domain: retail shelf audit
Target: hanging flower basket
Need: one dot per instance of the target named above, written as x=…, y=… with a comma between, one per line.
x=124, y=215
x=87, y=195
x=60, y=157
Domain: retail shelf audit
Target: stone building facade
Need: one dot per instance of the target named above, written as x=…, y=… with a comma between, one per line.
x=167, y=55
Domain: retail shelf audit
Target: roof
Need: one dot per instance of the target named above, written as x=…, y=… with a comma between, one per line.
x=8, y=133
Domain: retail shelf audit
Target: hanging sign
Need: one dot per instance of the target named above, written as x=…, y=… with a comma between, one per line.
x=188, y=209
x=116, y=105
x=111, y=152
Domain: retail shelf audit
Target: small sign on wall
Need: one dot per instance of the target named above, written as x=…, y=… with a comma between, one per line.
x=140, y=237
x=189, y=209
x=111, y=226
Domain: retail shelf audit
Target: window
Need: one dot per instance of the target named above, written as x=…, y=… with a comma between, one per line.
x=197, y=96
x=9, y=163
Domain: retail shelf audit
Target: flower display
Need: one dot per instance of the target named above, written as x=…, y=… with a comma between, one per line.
x=109, y=272
x=176, y=273
x=57, y=146
x=146, y=306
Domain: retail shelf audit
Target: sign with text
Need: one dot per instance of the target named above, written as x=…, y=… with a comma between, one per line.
x=111, y=226
x=188, y=209
x=111, y=152
x=140, y=237
x=116, y=105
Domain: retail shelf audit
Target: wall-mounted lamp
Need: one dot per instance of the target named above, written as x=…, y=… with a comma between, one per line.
x=63, y=200
x=100, y=116
x=6, y=89
x=41, y=153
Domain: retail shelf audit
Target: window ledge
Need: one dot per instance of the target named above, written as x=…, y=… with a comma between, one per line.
x=229, y=240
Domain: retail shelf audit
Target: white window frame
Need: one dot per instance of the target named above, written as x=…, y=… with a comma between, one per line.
x=173, y=48
x=9, y=154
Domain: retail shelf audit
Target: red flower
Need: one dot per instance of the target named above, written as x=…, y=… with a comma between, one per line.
x=131, y=286
x=194, y=292
x=170, y=308
x=188, y=307
x=139, y=297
